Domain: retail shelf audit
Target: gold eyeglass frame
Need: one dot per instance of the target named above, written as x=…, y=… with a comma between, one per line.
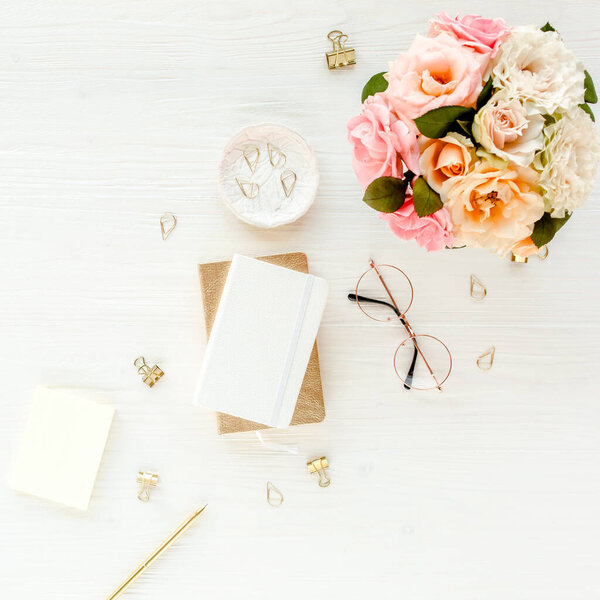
x=401, y=316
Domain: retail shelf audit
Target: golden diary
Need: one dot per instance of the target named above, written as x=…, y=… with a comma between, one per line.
x=310, y=407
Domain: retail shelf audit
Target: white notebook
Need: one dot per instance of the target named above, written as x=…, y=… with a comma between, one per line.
x=261, y=341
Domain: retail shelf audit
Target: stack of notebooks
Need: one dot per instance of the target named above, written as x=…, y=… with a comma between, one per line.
x=261, y=365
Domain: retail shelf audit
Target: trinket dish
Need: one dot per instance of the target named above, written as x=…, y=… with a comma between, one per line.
x=268, y=175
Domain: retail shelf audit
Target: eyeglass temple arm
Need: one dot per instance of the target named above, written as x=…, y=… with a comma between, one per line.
x=355, y=298
x=411, y=370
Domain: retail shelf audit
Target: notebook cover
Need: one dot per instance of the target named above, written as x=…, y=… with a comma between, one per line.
x=310, y=407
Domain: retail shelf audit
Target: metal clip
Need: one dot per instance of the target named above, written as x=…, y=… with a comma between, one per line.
x=477, y=289
x=319, y=466
x=276, y=157
x=251, y=155
x=486, y=360
x=542, y=253
x=518, y=259
x=340, y=56
x=248, y=188
x=168, y=222
x=274, y=496
x=147, y=480
x=288, y=181
x=150, y=375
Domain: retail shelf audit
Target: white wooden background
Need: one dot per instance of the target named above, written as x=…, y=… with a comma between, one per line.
x=114, y=112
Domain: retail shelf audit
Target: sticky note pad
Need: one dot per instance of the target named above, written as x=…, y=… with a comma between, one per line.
x=62, y=447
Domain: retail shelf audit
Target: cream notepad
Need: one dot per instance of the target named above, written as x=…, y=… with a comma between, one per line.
x=261, y=341
x=61, y=450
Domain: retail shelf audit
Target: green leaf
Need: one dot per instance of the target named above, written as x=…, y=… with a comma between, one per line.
x=547, y=27
x=545, y=229
x=588, y=110
x=590, y=89
x=485, y=94
x=426, y=201
x=386, y=194
x=377, y=83
x=437, y=122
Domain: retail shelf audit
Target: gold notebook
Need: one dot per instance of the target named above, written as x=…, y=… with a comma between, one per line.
x=310, y=407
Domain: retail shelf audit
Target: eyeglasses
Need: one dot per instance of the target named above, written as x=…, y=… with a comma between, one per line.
x=421, y=361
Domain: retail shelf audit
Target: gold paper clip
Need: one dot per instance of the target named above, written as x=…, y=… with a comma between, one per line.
x=340, y=56
x=276, y=157
x=150, y=375
x=274, y=496
x=167, y=223
x=288, y=182
x=477, y=289
x=147, y=480
x=251, y=155
x=482, y=363
x=319, y=466
x=248, y=188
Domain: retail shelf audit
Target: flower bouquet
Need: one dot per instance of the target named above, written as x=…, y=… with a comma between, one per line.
x=480, y=136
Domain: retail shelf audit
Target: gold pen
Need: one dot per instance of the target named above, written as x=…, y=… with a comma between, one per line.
x=156, y=554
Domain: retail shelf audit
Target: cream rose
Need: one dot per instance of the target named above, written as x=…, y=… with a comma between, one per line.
x=450, y=156
x=493, y=208
x=509, y=129
x=569, y=162
x=535, y=66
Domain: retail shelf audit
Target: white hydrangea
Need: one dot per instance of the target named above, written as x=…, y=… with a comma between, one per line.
x=535, y=66
x=568, y=162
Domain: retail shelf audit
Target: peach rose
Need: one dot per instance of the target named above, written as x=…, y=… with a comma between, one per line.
x=450, y=156
x=525, y=248
x=493, y=208
x=435, y=72
x=433, y=232
x=478, y=33
x=381, y=141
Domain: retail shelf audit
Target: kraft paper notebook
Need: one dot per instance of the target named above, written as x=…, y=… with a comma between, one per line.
x=310, y=406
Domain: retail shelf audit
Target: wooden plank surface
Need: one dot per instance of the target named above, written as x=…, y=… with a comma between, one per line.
x=115, y=112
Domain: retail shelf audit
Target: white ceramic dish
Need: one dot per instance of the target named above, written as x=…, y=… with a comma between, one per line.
x=270, y=207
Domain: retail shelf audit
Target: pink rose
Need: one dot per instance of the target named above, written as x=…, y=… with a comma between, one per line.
x=381, y=141
x=482, y=35
x=435, y=72
x=433, y=232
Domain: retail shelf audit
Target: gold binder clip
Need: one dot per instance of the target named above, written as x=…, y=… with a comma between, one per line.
x=340, y=56
x=482, y=363
x=477, y=289
x=147, y=480
x=518, y=259
x=542, y=252
x=150, y=375
x=319, y=466
x=274, y=496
